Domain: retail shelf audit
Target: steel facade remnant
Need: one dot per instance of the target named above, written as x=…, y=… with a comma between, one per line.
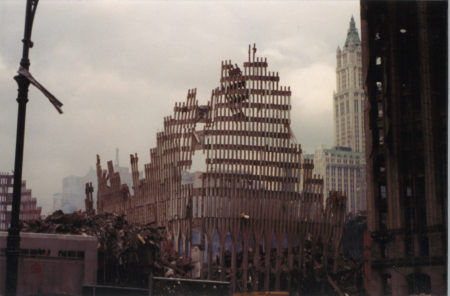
x=89, y=200
x=254, y=187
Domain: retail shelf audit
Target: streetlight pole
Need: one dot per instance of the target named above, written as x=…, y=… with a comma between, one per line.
x=13, y=240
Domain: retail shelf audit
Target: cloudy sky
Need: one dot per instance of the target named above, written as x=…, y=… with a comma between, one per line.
x=119, y=67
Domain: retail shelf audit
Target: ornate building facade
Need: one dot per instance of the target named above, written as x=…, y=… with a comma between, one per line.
x=230, y=172
x=405, y=58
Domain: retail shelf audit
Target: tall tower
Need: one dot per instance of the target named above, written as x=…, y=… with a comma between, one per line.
x=348, y=100
x=343, y=166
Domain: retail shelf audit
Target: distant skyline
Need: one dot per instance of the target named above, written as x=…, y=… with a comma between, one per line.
x=120, y=66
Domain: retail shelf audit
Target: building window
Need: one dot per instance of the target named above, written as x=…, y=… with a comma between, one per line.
x=424, y=249
x=419, y=283
x=383, y=191
x=344, y=79
x=359, y=77
x=380, y=110
x=337, y=130
x=387, y=284
x=379, y=85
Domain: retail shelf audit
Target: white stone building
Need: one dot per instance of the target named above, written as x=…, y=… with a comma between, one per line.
x=343, y=170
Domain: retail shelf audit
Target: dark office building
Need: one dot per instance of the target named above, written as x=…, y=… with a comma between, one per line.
x=404, y=52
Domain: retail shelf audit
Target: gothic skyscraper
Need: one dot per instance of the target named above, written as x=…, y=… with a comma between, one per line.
x=343, y=166
x=348, y=100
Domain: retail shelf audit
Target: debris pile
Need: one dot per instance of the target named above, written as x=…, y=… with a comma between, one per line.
x=313, y=274
x=349, y=276
x=353, y=236
x=127, y=253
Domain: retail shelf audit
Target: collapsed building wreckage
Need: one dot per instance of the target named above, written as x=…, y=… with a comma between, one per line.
x=255, y=193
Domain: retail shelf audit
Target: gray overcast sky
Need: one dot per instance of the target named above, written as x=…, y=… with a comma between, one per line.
x=119, y=67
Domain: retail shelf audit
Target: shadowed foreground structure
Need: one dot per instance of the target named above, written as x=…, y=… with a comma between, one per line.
x=227, y=178
x=405, y=58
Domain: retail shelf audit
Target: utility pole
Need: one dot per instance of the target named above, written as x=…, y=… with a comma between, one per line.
x=23, y=80
x=13, y=240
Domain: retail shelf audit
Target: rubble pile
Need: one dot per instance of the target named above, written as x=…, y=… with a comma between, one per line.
x=353, y=236
x=349, y=275
x=127, y=253
x=311, y=276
